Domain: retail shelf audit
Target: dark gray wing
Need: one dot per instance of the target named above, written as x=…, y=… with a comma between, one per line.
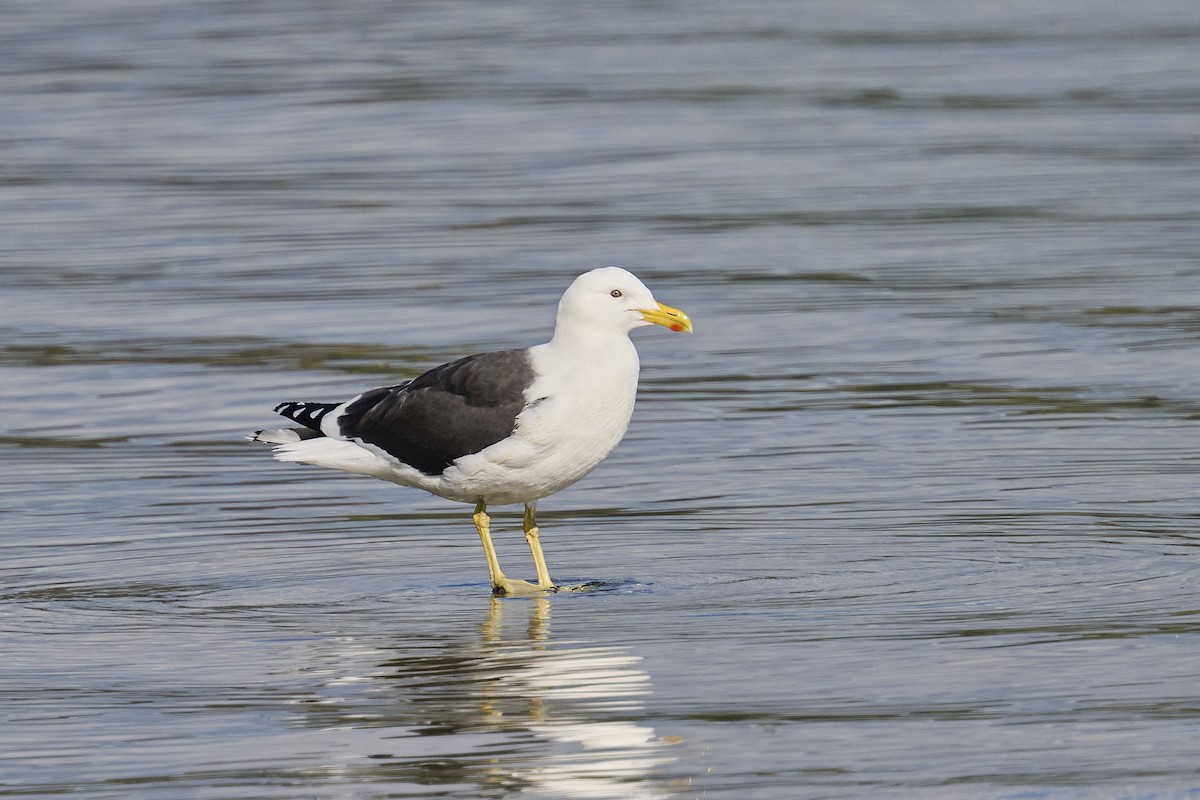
x=449, y=412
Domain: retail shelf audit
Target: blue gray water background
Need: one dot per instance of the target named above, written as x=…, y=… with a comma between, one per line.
x=912, y=515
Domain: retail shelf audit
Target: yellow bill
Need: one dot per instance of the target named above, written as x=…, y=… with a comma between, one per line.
x=668, y=317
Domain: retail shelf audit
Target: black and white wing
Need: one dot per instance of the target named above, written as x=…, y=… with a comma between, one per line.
x=448, y=412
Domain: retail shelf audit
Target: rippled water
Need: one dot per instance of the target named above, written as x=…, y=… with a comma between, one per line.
x=913, y=514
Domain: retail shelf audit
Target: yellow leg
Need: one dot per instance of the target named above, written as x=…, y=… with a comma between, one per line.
x=483, y=525
x=533, y=537
x=500, y=584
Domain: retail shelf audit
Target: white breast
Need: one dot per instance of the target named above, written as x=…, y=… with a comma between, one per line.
x=580, y=407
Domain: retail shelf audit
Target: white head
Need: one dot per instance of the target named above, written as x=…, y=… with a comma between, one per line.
x=613, y=300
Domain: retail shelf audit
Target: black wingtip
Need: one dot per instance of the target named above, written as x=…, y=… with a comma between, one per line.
x=307, y=414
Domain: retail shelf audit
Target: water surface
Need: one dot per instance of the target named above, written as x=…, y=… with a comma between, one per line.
x=913, y=514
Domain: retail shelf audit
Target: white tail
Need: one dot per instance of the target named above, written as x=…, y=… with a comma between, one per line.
x=275, y=436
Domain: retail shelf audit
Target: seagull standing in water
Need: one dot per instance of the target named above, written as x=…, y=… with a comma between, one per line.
x=496, y=428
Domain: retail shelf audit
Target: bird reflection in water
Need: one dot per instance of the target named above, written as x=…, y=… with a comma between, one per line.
x=516, y=711
x=581, y=700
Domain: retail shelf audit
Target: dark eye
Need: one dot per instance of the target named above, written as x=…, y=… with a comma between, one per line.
x=615, y=293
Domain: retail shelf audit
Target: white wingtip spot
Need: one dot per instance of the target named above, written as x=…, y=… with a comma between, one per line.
x=276, y=436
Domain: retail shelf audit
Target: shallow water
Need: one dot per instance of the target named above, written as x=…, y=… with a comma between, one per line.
x=913, y=514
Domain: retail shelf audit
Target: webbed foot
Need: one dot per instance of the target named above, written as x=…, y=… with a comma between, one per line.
x=590, y=586
x=511, y=587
